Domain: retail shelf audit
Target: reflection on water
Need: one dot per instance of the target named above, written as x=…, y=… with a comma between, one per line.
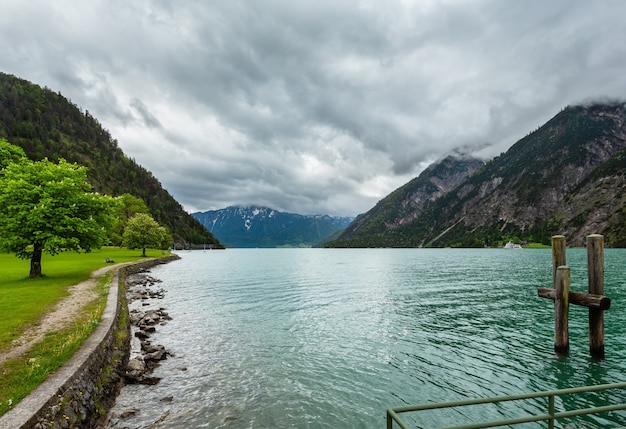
x=316, y=338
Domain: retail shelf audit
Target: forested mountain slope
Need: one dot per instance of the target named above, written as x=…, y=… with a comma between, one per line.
x=46, y=124
x=567, y=177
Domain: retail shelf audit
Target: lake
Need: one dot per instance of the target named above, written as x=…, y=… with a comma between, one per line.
x=331, y=338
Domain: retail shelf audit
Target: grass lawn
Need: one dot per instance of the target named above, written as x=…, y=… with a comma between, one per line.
x=537, y=246
x=23, y=301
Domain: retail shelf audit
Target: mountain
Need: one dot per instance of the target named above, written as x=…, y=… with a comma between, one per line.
x=46, y=124
x=567, y=177
x=406, y=203
x=255, y=226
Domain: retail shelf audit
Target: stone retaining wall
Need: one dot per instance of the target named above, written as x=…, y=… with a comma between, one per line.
x=82, y=391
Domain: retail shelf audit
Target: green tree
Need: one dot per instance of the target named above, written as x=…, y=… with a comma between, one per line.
x=10, y=154
x=143, y=231
x=126, y=206
x=48, y=207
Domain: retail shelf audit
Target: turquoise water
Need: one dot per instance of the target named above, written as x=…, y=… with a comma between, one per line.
x=330, y=338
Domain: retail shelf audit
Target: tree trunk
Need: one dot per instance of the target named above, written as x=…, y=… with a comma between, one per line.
x=35, y=261
x=144, y=252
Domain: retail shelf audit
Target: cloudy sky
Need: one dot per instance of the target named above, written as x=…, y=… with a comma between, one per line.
x=319, y=106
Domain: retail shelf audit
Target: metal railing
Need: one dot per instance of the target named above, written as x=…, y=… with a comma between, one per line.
x=550, y=416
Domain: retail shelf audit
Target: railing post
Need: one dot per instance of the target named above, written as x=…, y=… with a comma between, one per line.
x=551, y=411
x=595, y=271
x=561, y=310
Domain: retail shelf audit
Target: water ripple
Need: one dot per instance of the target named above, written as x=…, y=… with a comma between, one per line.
x=313, y=338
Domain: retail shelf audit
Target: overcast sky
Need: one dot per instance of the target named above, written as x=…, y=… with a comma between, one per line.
x=321, y=106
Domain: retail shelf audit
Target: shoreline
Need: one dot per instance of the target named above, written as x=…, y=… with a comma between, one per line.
x=144, y=356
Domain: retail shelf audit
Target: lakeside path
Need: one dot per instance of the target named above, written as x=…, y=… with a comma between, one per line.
x=64, y=312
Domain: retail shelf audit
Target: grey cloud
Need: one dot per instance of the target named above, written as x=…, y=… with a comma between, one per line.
x=144, y=113
x=314, y=106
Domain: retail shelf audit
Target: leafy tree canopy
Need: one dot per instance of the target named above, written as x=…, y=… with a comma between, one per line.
x=126, y=206
x=48, y=207
x=142, y=231
x=10, y=154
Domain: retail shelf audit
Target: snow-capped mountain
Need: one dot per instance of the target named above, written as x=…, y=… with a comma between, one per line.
x=255, y=226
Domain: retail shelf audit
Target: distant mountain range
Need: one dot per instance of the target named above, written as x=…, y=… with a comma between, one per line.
x=255, y=226
x=567, y=177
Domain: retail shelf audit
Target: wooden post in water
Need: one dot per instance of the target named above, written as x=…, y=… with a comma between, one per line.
x=558, y=253
x=595, y=272
x=562, y=296
x=561, y=310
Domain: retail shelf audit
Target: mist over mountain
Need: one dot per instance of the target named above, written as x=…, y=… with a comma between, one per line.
x=256, y=226
x=567, y=177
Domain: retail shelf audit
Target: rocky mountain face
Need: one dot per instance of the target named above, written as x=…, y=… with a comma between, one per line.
x=254, y=226
x=568, y=177
x=405, y=204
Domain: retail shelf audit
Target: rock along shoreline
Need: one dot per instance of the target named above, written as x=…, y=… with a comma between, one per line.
x=140, y=287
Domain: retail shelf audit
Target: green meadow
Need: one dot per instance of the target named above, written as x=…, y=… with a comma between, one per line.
x=24, y=300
